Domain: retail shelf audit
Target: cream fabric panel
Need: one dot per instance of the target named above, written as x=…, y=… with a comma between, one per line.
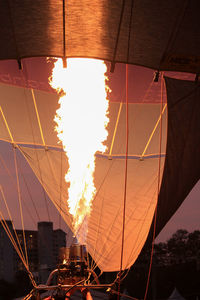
x=50, y=166
x=20, y=114
x=142, y=122
x=105, y=223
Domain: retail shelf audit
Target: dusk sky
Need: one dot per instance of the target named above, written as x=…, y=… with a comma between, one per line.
x=187, y=217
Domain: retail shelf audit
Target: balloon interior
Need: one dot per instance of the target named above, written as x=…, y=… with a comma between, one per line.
x=115, y=168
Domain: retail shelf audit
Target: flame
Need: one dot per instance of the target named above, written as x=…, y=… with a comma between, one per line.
x=81, y=126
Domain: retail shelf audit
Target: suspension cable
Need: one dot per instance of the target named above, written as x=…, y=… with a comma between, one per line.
x=20, y=202
x=9, y=214
x=7, y=127
x=17, y=178
x=9, y=234
x=34, y=143
x=38, y=117
x=117, y=39
x=61, y=171
x=158, y=189
x=14, y=183
x=115, y=130
x=154, y=129
x=125, y=185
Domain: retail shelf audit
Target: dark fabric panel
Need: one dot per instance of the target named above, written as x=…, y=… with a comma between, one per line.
x=33, y=27
x=163, y=34
x=182, y=164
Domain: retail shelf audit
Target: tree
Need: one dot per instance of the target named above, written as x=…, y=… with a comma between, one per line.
x=177, y=244
x=193, y=245
x=176, y=263
x=184, y=246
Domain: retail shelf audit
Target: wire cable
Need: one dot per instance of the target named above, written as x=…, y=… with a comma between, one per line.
x=9, y=214
x=125, y=185
x=158, y=189
x=20, y=202
x=32, y=131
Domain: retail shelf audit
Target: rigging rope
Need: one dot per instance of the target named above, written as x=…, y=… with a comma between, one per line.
x=5, y=121
x=153, y=131
x=9, y=214
x=42, y=136
x=41, y=181
x=38, y=117
x=115, y=130
x=61, y=170
x=31, y=125
x=7, y=230
x=100, y=215
x=29, y=193
x=125, y=184
x=117, y=39
x=129, y=156
x=158, y=189
x=14, y=183
x=64, y=39
x=139, y=232
x=17, y=178
x=127, y=143
x=129, y=31
x=20, y=202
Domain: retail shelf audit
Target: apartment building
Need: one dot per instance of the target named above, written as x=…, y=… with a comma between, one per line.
x=40, y=247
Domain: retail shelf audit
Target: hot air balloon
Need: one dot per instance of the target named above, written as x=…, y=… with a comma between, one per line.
x=163, y=36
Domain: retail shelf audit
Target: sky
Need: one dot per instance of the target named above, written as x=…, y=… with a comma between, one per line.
x=140, y=79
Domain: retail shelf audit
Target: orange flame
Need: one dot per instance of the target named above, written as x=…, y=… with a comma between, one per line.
x=81, y=126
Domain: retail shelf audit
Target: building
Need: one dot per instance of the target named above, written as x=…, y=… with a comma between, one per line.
x=42, y=248
x=7, y=271
x=49, y=242
x=31, y=238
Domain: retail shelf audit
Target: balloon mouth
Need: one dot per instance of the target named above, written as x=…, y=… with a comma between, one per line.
x=75, y=253
x=73, y=266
